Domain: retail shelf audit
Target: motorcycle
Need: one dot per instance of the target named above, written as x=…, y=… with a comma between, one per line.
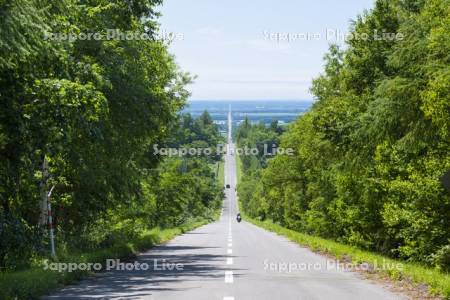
x=238, y=218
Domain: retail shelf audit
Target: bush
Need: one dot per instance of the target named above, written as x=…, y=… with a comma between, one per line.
x=18, y=242
x=441, y=259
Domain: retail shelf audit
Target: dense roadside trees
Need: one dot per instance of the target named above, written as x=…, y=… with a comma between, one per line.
x=370, y=154
x=255, y=136
x=91, y=110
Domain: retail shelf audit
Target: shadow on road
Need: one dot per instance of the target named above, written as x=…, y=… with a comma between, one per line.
x=198, y=265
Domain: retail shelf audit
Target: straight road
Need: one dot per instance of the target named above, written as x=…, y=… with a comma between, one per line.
x=229, y=260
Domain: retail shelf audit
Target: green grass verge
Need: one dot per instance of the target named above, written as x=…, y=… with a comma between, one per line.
x=35, y=282
x=438, y=283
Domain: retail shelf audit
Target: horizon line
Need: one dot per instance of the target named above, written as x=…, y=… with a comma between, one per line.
x=298, y=100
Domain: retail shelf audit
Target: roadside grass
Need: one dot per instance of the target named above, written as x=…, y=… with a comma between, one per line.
x=35, y=282
x=438, y=282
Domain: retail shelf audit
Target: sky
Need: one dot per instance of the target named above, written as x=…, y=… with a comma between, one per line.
x=255, y=49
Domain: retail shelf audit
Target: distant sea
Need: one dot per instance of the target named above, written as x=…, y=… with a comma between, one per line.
x=284, y=111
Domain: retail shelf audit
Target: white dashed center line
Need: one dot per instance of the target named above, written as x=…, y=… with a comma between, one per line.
x=230, y=251
x=230, y=245
x=229, y=260
x=228, y=276
x=228, y=298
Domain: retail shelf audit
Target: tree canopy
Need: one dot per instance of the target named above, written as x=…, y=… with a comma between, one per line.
x=91, y=109
x=370, y=154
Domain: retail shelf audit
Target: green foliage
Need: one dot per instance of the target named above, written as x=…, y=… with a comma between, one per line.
x=264, y=139
x=370, y=153
x=35, y=282
x=19, y=243
x=260, y=137
x=93, y=109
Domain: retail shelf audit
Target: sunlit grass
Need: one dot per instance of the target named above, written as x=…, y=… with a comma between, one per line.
x=438, y=282
x=34, y=282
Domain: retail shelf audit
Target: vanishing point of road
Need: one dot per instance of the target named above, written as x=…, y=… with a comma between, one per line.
x=227, y=260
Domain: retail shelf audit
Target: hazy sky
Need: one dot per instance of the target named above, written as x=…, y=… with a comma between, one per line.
x=232, y=45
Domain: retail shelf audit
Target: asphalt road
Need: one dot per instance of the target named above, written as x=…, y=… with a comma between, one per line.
x=229, y=260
